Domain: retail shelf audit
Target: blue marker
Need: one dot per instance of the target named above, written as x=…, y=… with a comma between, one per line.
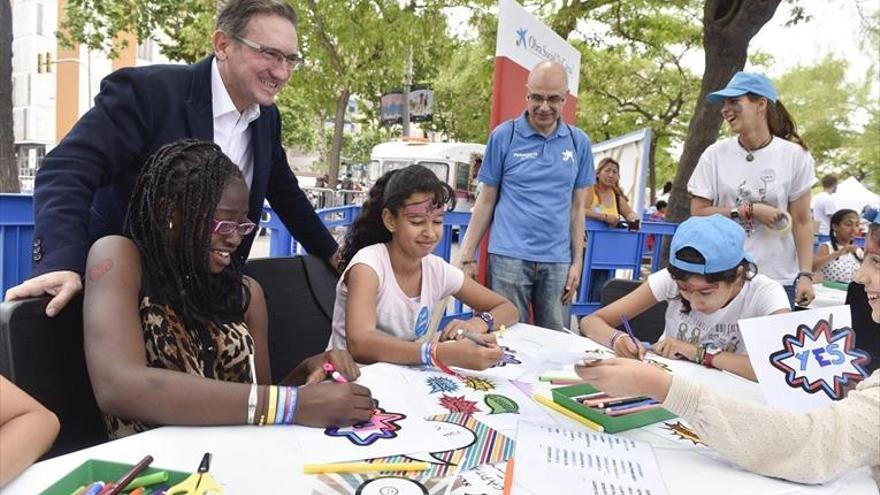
x=95, y=488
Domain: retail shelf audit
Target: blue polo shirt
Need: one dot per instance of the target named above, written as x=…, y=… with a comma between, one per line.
x=535, y=177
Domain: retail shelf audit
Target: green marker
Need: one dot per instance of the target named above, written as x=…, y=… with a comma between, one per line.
x=147, y=480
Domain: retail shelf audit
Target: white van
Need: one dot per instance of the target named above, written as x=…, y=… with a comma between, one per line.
x=450, y=161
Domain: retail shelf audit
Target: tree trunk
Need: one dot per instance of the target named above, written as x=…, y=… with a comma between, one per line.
x=8, y=166
x=338, y=130
x=728, y=27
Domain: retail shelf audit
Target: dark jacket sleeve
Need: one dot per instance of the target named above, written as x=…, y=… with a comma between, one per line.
x=108, y=138
x=291, y=203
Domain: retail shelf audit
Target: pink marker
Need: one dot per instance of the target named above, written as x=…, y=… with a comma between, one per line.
x=331, y=370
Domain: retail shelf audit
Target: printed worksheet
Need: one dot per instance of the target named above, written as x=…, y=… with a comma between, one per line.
x=550, y=459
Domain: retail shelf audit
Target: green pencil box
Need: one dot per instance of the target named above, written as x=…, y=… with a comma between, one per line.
x=564, y=396
x=93, y=470
x=833, y=284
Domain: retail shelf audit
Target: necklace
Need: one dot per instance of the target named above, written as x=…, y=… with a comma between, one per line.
x=750, y=156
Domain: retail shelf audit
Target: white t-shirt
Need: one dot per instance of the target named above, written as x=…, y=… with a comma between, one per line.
x=823, y=208
x=758, y=297
x=780, y=173
x=396, y=313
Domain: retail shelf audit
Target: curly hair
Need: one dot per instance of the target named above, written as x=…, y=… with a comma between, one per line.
x=391, y=191
x=169, y=219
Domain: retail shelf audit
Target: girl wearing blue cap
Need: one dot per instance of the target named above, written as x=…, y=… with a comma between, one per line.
x=710, y=284
x=807, y=448
x=761, y=177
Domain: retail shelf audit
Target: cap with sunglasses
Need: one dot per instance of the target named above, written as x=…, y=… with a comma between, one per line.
x=718, y=239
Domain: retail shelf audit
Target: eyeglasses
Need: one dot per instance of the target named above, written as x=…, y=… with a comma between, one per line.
x=271, y=55
x=227, y=227
x=552, y=100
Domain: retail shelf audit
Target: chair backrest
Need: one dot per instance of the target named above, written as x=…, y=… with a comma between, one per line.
x=44, y=357
x=300, y=292
x=649, y=325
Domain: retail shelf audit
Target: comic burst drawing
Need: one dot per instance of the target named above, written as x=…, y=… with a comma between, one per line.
x=682, y=432
x=458, y=404
x=509, y=357
x=441, y=384
x=382, y=425
x=821, y=359
x=478, y=384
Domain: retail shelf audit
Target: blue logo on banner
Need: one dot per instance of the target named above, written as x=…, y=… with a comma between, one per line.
x=521, y=37
x=422, y=321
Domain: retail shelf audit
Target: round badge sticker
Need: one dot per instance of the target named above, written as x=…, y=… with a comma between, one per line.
x=422, y=321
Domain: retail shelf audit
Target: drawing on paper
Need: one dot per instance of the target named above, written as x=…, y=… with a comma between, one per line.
x=478, y=384
x=458, y=404
x=382, y=425
x=372, y=484
x=509, y=357
x=682, y=432
x=499, y=404
x=441, y=384
x=821, y=359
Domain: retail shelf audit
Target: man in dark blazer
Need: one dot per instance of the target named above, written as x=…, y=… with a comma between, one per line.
x=84, y=185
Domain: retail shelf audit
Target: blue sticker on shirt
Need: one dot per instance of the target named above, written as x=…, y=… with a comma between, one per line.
x=422, y=321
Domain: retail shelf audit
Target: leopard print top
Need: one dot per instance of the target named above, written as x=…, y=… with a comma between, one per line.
x=170, y=346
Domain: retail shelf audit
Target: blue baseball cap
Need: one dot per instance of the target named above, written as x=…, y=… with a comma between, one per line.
x=872, y=215
x=742, y=83
x=718, y=239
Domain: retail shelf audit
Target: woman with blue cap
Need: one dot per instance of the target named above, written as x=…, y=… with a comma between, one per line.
x=761, y=177
x=807, y=448
x=711, y=283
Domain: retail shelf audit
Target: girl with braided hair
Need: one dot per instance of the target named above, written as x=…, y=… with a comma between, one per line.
x=174, y=333
x=839, y=258
x=392, y=284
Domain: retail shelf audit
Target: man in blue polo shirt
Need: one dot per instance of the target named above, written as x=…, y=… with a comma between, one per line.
x=535, y=173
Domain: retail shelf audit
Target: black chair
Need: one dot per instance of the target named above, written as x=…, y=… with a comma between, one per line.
x=300, y=292
x=649, y=325
x=44, y=357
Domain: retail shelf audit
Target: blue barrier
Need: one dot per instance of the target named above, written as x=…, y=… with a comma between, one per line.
x=16, y=235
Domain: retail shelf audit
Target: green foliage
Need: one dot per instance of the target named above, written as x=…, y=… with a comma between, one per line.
x=829, y=112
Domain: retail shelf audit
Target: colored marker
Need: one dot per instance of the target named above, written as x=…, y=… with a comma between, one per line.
x=566, y=381
x=632, y=405
x=79, y=491
x=337, y=376
x=148, y=480
x=364, y=467
x=623, y=401
x=137, y=491
x=550, y=378
x=95, y=488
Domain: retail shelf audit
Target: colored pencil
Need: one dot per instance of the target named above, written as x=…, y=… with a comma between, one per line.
x=565, y=412
x=364, y=467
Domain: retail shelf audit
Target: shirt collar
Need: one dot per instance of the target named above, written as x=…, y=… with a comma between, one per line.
x=525, y=129
x=221, y=102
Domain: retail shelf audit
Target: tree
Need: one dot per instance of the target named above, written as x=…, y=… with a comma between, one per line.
x=8, y=167
x=728, y=27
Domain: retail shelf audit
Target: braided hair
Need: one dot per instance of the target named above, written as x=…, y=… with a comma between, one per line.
x=391, y=191
x=169, y=219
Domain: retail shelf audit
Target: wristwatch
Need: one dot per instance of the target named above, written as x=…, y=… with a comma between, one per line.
x=489, y=319
x=734, y=213
x=709, y=355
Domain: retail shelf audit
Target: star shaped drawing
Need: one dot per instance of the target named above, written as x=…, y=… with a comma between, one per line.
x=821, y=359
x=509, y=357
x=441, y=384
x=478, y=384
x=683, y=432
x=381, y=425
x=458, y=404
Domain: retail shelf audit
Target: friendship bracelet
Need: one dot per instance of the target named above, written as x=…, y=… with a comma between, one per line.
x=290, y=406
x=282, y=403
x=426, y=353
x=252, y=404
x=270, y=414
x=435, y=358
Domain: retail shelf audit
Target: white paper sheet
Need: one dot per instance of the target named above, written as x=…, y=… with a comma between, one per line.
x=399, y=428
x=550, y=459
x=803, y=359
